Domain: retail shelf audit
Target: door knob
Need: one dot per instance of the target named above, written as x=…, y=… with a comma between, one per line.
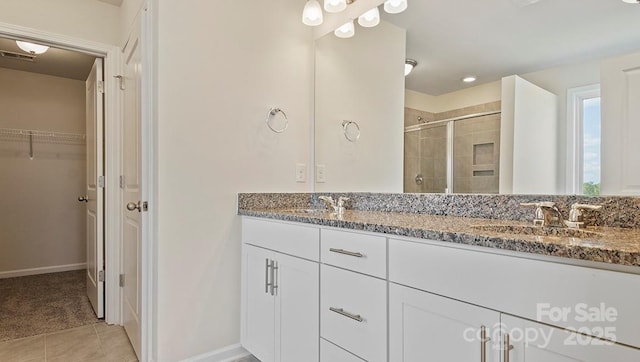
x=83, y=198
x=133, y=206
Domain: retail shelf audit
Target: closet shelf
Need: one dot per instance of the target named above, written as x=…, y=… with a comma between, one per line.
x=9, y=134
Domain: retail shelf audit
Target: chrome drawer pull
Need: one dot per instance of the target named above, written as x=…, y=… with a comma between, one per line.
x=346, y=314
x=346, y=252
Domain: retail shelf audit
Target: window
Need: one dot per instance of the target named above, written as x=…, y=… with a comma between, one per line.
x=584, y=125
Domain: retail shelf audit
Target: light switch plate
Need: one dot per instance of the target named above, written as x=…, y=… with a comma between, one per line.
x=301, y=172
x=321, y=174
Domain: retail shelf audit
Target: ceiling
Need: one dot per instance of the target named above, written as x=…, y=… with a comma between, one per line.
x=56, y=62
x=497, y=38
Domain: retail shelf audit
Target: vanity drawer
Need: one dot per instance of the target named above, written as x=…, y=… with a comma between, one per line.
x=354, y=251
x=353, y=312
x=297, y=240
x=329, y=352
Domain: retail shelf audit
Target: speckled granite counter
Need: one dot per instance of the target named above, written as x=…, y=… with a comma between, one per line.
x=605, y=244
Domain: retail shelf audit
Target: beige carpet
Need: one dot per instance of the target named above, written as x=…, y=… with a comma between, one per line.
x=43, y=303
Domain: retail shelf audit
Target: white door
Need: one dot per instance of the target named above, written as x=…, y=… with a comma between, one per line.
x=620, y=91
x=427, y=327
x=536, y=342
x=95, y=191
x=131, y=184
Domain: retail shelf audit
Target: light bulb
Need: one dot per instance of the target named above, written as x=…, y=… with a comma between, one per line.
x=312, y=13
x=409, y=64
x=347, y=30
x=32, y=48
x=335, y=6
x=369, y=19
x=395, y=6
x=469, y=79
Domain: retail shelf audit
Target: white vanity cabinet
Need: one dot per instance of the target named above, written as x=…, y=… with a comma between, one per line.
x=353, y=295
x=543, y=343
x=428, y=327
x=280, y=292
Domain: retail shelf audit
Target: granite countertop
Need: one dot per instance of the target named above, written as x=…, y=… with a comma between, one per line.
x=619, y=246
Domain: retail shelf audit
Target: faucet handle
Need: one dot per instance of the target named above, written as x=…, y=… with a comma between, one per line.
x=341, y=201
x=578, y=206
x=327, y=199
x=539, y=204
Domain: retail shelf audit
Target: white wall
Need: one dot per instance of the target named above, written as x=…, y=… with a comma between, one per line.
x=222, y=65
x=361, y=79
x=42, y=224
x=528, y=138
x=84, y=19
x=480, y=94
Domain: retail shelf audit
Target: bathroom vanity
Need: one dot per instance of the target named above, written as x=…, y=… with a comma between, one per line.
x=383, y=285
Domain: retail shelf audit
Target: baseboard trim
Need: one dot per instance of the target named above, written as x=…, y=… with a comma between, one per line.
x=226, y=354
x=43, y=270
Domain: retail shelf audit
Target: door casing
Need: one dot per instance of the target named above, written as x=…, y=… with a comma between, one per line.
x=112, y=57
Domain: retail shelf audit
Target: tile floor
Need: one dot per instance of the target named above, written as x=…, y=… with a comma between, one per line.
x=95, y=343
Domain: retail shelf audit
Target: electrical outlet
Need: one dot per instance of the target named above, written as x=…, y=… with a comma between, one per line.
x=301, y=172
x=321, y=173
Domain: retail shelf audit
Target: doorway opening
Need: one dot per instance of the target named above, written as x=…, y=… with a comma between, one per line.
x=50, y=144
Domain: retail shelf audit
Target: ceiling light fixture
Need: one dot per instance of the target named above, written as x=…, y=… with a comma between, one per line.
x=409, y=64
x=335, y=6
x=632, y=1
x=369, y=19
x=469, y=79
x=347, y=30
x=312, y=13
x=32, y=48
x=395, y=6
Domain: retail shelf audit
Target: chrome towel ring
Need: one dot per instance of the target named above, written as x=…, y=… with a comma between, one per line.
x=351, y=130
x=271, y=114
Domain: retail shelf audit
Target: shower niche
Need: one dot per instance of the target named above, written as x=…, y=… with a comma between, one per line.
x=454, y=151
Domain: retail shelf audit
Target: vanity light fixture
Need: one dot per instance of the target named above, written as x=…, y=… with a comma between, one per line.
x=369, y=19
x=32, y=48
x=335, y=6
x=395, y=6
x=409, y=64
x=347, y=30
x=469, y=79
x=312, y=13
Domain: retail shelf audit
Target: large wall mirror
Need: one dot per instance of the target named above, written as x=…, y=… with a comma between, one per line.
x=553, y=110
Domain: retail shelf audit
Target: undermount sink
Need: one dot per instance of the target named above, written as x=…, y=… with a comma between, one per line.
x=537, y=230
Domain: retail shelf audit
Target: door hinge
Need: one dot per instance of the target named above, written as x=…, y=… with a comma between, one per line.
x=101, y=276
x=101, y=181
x=145, y=206
x=101, y=86
x=121, y=280
x=122, y=181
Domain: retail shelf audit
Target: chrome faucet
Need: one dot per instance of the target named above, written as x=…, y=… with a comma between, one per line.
x=547, y=214
x=575, y=215
x=331, y=204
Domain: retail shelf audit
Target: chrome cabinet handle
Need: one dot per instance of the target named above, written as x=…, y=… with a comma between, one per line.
x=483, y=343
x=506, y=348
x=346, y=252
x=266, y=275
x=341, y=311
x=274, y=278
x=83, y=199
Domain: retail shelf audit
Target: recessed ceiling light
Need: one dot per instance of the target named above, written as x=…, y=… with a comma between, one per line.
x=469, y=79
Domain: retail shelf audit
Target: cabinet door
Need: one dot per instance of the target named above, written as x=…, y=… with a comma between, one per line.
x=535, y=342
x=257, y=303
x=297, y=309
x=425, y=327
